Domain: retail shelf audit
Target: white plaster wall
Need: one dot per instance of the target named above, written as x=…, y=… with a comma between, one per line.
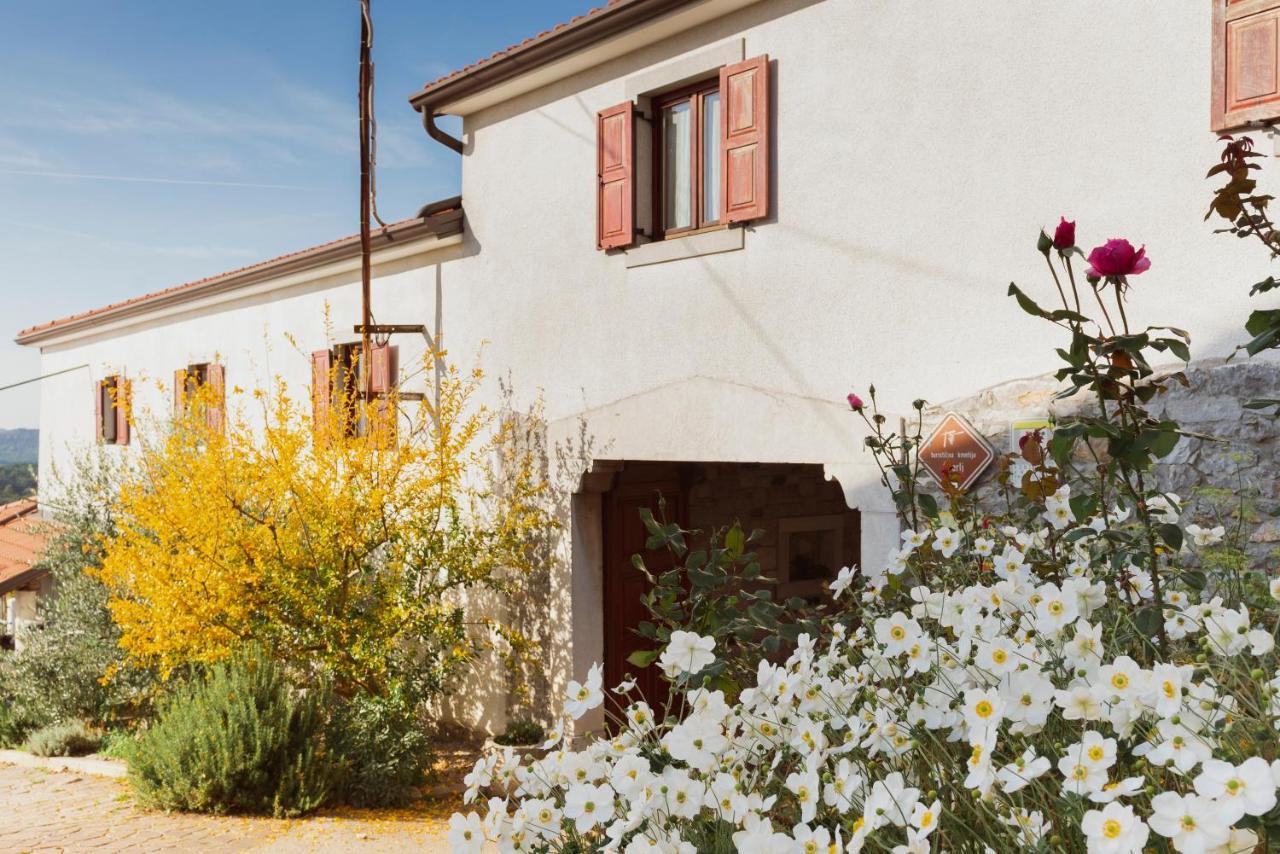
x=259, y=340
x=919, y=146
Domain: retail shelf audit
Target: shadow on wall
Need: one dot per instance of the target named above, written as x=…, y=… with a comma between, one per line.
x=506, y=683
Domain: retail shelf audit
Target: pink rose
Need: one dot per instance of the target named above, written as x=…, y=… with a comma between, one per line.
x=855, y=402
x=1064, y=236
x=1117, y=257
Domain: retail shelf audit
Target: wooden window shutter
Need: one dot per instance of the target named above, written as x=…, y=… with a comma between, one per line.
x=1246, y=63
x=98, y=388
x=384, y=360
x=123, y=403
x=744, y=140
x=179, y=391
x=615, y=177
x=384, y=376
x=217, y=380
x=321, y=386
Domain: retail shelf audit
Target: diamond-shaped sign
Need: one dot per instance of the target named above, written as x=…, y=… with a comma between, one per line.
x=955, y=451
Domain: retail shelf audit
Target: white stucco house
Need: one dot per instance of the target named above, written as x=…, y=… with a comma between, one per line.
x=694, y=225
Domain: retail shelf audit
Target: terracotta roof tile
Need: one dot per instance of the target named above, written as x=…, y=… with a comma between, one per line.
x=23, y=538
x=466, y=69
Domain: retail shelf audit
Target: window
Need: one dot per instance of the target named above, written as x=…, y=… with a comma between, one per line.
x=1246, y=64
x=111, y=411
x=687, y=159
x=204, y=383
x=710, y=162
x=337, y=383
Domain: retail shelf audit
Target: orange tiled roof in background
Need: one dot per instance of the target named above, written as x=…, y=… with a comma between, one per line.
x=23, y=538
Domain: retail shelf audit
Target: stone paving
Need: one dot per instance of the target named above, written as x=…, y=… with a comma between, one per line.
x=61, y=811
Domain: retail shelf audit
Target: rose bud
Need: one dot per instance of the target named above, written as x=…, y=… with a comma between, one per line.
x=855, y=402
x=1064, y=236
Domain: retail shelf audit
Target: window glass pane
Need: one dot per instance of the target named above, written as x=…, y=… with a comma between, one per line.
x=677, y=166
x=711, y=157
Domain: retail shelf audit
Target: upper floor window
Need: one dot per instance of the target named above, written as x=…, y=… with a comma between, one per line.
x=711, y=158
x=338, y=389
x=1246, y=63
x=687, y=158
x=111, y=410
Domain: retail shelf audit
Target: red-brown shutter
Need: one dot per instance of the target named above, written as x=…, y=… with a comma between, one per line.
x=615, y=177
x=1246, y=63
x=384, y=360
x=384, y=376
x=217, y=380
x=123, y=402
x=97, y=410
x=179, y=391
x=321, y=386
x=744, y=140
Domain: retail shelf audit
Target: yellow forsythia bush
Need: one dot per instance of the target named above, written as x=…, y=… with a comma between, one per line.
x=337, y=548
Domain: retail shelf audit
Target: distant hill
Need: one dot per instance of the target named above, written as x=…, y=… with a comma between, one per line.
x=19, y=446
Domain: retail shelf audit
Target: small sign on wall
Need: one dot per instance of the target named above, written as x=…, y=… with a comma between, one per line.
x=955, y=452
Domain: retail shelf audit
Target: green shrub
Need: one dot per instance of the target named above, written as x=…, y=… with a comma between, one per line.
x=381, y=750
x=521, y=732
x=68, y=738
x=59, y=674
x=241, y=739
x=117, y=744
x=14, y=724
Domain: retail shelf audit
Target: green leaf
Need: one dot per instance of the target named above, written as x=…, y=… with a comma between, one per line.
x=928, y=505
x=1171, y=534
x=735, y=541
x=1028, y=304
x=1149, y=620
x=1195, y=579
x=643, y=657
x=1263, y=403
x=1179, y=349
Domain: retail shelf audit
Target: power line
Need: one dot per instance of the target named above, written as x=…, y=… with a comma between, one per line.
x=44, y=377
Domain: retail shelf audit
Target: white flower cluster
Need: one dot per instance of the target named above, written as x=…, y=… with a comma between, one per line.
x=996, y=711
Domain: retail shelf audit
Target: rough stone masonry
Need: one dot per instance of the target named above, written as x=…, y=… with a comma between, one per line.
x=1237, y=468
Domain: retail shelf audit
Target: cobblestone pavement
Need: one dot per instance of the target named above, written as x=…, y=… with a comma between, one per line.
x=65, y=812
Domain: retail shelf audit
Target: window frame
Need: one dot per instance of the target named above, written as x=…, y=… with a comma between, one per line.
x=695, y=94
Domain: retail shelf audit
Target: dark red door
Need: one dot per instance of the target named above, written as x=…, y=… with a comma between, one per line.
x=624, y=536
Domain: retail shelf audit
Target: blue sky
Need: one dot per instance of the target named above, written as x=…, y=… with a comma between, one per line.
x=144, y=144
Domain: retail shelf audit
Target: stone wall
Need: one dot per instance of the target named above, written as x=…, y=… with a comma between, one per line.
x=1239, y=460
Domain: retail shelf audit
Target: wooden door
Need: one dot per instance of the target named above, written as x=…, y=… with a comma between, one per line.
x=624, y=536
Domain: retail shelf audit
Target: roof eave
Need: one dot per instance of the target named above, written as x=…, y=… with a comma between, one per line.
x=605, y=23
x=439, y=220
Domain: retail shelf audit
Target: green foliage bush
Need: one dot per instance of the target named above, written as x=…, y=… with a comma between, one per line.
x=62, y=671
x=242, y=739
x=17, y=481
x=67, y=738
x=14, y=725
x=521, y=732
x=380, y=750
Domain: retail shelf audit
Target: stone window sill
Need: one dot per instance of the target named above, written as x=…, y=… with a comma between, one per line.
x=693, y=246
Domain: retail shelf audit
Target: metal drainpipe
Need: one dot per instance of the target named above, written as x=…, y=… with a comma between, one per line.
x=429, y=124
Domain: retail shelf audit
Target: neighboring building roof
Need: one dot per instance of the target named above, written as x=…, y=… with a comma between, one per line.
x=23, y=537
x=546, y=47
x=439, y=219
